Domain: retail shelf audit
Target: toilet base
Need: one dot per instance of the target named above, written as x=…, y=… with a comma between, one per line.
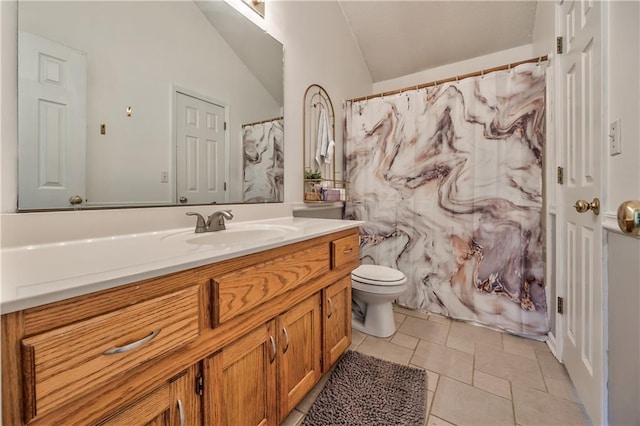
x=378, y=320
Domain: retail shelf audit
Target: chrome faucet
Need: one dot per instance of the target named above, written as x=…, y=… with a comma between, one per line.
x=215, y=221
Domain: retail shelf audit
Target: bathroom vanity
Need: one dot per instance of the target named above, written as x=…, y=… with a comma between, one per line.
x=236, y=335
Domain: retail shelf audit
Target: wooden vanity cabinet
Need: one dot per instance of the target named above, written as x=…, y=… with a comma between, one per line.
x=259, y=379
x=299, y=353
x=240, y=381
x=241, y=341
x=173, y=404
x=336, y=321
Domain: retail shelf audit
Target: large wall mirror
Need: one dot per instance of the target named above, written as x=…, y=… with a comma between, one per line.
x=135, y=103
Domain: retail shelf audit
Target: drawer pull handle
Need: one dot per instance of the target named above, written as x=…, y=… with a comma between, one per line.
x=273, y=349
x=330, y=307
x=347, y=251
x=286, y=340
x=132, y=346
x=181, y=412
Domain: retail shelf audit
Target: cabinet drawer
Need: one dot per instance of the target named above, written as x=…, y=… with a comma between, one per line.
x=247, y=288
x=63, y=363
x=345, y=250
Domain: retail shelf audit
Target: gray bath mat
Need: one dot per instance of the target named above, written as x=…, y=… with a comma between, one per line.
x=364, y=390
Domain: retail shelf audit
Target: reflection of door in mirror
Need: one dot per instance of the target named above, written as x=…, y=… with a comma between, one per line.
x=200, y=151
x=52, y=81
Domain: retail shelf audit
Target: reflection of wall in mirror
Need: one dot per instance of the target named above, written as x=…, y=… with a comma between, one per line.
x=262, y=146
x=137, y=51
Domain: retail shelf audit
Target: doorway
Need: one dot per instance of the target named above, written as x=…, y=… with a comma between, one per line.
x=201, y=150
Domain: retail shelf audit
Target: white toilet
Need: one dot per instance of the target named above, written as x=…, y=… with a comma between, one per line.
x=373, y=288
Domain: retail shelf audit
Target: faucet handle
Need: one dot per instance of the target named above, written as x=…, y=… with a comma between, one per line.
x=201, y=225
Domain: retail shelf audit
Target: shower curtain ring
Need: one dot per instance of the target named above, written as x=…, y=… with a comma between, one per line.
x=508, y=68
x=457, y=80
x=539, y=60
x=482, y=74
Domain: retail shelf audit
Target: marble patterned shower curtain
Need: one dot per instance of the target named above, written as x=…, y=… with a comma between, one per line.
x=449, y=182
x=263, y=164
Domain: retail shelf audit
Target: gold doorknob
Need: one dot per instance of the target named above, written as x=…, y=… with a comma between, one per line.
x=629, y=217
x=75, y=199
x=183, y=200
x=583, y=206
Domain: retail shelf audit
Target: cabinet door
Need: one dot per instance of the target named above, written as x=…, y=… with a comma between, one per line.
x=336, y=321
x=299, y=352
x=240, y=381
x=186, y=404
x=173, y=404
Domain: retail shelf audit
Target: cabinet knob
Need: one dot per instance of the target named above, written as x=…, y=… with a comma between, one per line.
x=181, y=412
x=133, y=345
x=286, y=340
x=273, y=349
x=330, y=303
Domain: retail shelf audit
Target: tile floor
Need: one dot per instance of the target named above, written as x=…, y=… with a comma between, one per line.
x=475, y=376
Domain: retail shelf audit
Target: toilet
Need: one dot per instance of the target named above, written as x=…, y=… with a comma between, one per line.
x=373, y=288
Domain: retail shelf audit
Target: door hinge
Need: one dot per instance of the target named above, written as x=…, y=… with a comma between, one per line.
x=559, y=45
x=225, y=125
x=560, y=175
x=560, y=305
x=200, y=385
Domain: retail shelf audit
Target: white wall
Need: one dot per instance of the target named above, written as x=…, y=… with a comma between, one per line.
x=623, y=183
x=8, y=107
x=319, y=48
x=458, y=68
x=543, y=38
x=136, y=51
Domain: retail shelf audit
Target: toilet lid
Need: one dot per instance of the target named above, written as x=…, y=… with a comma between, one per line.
x=378, y=275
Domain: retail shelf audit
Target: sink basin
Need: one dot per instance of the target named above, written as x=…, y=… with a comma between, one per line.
x=238, y=236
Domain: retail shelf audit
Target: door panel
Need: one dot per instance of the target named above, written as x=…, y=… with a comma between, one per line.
x=583, y=136
x=200, y=151
x=52, y=92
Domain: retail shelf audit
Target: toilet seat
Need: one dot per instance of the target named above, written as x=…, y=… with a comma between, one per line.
x=376, y=275
x=374, y=288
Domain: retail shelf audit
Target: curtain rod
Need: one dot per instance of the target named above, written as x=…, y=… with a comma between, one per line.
x=448, y=80
x=263, y=121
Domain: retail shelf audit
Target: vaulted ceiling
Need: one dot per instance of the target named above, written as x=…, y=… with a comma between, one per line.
x=398, y=38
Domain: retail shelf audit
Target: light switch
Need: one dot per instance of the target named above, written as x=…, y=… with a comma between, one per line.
x=615, y=141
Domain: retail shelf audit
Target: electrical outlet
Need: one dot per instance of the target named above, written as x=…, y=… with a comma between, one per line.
x=615, y=141
x=164, y=177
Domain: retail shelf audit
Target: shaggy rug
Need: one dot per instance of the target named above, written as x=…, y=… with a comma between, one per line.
x=364, y=390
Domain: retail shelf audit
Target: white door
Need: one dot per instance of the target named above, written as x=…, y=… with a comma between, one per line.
x=52, y=99
x=200, y=151
x=581, y=66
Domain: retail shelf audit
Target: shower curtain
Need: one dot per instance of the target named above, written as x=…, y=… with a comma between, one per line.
x=263, y=161
x=448, y=180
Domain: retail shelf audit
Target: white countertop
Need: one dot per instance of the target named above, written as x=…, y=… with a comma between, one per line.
x=34, y=275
